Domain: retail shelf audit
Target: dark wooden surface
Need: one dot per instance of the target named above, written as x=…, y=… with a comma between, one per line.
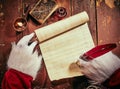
x=104, y=25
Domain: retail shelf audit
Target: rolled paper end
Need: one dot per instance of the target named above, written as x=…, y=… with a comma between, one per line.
x=61, y=26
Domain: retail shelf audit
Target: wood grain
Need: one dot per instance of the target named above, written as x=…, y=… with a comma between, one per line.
x=104, y=26
x=108, y=25
x=90, y=8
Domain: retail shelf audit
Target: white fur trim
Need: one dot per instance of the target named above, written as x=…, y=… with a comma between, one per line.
x=23, y=60
x=101, y=68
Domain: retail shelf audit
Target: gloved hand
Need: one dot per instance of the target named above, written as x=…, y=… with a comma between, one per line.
x=22, y=57
x=100, y=68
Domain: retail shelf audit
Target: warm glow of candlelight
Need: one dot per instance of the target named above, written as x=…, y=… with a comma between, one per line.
x=20, y=24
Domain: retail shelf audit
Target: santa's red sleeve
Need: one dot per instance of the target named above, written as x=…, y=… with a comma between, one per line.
x=114, y=81
x=105, y=68
x=23, y=64
x=14, y=79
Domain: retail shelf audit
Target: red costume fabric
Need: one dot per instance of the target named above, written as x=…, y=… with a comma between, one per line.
x=14, y=79
x=114, y=81
x=115, y=78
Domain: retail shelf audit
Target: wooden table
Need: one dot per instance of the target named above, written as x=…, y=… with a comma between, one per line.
x=104, y=26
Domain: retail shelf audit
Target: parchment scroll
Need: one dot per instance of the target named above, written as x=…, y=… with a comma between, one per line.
x=68, y=39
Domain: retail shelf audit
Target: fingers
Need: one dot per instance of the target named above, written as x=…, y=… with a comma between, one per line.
x=13, y=44
x=24, y=42
x=82, y=62
x=32, y=46
x=25, y=39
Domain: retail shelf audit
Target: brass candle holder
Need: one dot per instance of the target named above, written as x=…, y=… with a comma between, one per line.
x=20, y=23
